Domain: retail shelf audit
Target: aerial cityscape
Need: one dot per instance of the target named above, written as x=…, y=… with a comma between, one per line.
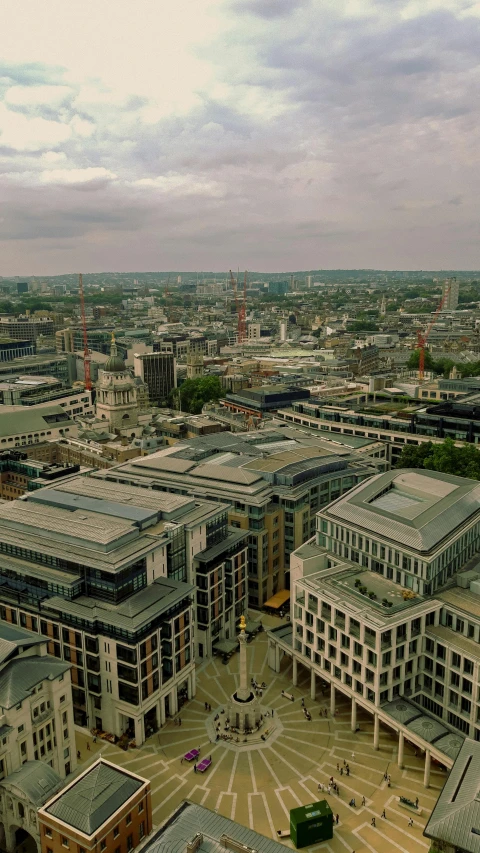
x=240, y=427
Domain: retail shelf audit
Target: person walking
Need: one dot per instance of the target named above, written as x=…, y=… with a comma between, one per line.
x=373, y=822
x=194, y=768
x=338, y=766
x=353, y=756
x=416, y=802
x=384, y=815
x=364, y=801
x=341, y=771
x=337, y=818
x=410, y=822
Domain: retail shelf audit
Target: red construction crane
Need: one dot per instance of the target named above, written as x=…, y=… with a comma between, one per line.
x=423, y=338
x=86, y=351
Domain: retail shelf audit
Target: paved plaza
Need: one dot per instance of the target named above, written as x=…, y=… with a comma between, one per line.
x=257, y=784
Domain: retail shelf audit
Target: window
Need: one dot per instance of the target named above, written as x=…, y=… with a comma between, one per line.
x=129, y=819
x=62, y=698
x=103, y=844
x=116, y=832
x=48, y=832
x=65, y=842
x=140, y=807
x=141, y=829
x=129, y=842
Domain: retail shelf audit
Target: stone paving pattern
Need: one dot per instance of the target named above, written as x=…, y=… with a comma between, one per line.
x=257, y=785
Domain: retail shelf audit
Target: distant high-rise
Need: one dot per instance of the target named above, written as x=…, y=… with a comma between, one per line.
x=309, y=281
x=451, y=301
x=157, y=370
x=22, y=287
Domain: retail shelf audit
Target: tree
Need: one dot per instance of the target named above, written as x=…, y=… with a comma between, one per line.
x=446, y=457
x=414, y=359
x=194, y=393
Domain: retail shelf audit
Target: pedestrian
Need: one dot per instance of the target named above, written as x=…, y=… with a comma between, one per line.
x=416, y=802
x=88, y=746
x=78, y=753
x=353, y=756
x=95, y=739
x=303, y=702
x=329, y=790
x=341, y=771
x=410, y=822
x=373, y=822
x=337, y=818
x=194, y=768
x=181, y=760
x=179, y=721
x=209, y=757
x=273, y=712
x=384, y=815
x=344, y=762
x=364, y=801
x=338, y=766
x=320, y=786
x=388, y=778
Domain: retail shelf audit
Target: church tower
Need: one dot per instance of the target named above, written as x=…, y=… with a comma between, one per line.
x=194, y=362
x=117, y=394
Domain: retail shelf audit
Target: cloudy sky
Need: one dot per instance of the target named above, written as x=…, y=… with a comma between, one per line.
x=268, y=134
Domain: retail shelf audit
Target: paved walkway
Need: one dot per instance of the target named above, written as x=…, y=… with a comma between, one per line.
x=257, y=785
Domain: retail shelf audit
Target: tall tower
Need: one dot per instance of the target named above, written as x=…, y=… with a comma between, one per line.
x=117, y=393
x=383, y=306
x=194, y=362
x=450, y=291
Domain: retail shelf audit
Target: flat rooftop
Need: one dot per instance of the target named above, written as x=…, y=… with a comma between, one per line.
x=415, y=508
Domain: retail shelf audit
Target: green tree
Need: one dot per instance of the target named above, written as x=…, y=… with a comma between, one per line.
x=414, y=359
x=446, y=457
x=194, y=393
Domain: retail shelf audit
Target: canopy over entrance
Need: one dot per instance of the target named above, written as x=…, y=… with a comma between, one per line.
x=225, y=647
x=278, y=600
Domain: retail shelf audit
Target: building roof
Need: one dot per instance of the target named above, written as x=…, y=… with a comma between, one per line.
x=13, y=638
x=191, y=819
x=36, y=780
x=21, y=419
x=94, y=797
x=21, y=675
x=415, y=508
x=456, y=816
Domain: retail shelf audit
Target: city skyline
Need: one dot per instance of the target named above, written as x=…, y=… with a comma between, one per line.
x=269, y=134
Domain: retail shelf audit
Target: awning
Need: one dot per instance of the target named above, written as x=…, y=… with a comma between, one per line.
x=278, y=600
x=225, y=647
x=252, y=627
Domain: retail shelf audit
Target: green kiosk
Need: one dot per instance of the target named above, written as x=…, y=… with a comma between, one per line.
x=311, y=824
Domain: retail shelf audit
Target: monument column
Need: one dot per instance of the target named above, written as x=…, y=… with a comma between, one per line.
x=401, y=739
x=244, y=690
x=312, y=685
x=354, y=715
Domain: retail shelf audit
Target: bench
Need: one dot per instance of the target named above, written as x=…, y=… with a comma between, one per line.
x=283, y=833
x=415, y=809
x=204, y=765
x=288, y=696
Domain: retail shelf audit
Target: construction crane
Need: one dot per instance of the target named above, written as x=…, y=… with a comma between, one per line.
x=86, y=351
x=422, y=338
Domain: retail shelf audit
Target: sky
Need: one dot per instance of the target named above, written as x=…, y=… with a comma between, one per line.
x=265, y=134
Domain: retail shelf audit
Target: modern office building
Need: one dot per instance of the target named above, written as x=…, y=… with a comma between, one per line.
x=26, y=328
x=158, y=371
x=106, y=808
x=58, y=366
x=384, y=607
x=267, y=398
x=35, y=390
x=19, y=474
x=10, y=348
x=106, y=573
x=273, y=482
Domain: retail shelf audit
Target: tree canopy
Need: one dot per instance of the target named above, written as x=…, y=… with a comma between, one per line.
x=446, y=457
x=194, y=393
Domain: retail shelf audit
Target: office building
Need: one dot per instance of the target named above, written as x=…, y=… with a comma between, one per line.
x=39, y=390
x=450, y=292
x=273, y=482
x=39, y=365
x=158, y=371
x=386, y=608
x=10, y=349
x=265, y=399
x=106, y=571
x=26, y=328
x=22, y=287
x=23, y=425
x=105, y=808
x=18, y=474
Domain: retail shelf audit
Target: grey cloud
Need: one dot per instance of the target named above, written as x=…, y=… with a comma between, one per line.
x=268, y=8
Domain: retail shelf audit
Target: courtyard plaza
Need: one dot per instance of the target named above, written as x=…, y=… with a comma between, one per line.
x=258, y=782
